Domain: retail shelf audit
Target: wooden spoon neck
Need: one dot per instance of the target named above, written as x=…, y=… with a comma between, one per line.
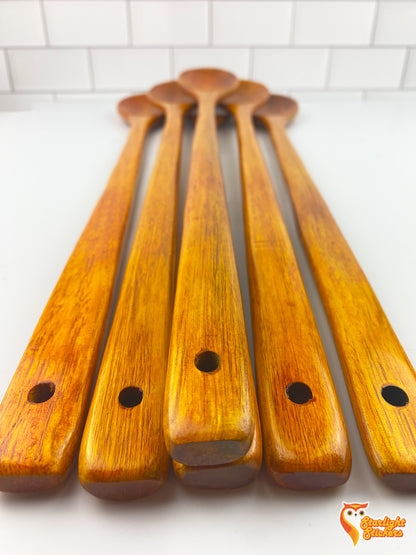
x=205, y=143
x=173, y=121
x=176, y=111
x=276, y=125
x=243, y=112
x=250, y=153
x=207, y=103
x=138, y=130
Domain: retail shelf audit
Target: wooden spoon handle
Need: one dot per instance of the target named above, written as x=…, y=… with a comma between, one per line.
x=123, y=454
x=43, y=410
x=305, y=439
x=209, y=410
x=379, y=376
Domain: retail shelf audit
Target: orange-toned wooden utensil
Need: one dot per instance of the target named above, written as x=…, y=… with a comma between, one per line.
x=235, y=474
x=379, y=376
x=305, y=439
x=44, y=408
x=209, y=411
x=123, y=454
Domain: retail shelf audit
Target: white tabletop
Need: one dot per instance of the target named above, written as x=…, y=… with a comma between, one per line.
x=54, y=163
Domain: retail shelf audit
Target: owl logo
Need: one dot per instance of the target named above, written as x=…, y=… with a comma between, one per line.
x=352, y=512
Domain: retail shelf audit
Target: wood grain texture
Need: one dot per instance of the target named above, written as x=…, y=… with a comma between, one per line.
x=209, y=416
x=123, y=454
x=305, y=438
x=38, y=440
x=370, y=353
x=235, y=474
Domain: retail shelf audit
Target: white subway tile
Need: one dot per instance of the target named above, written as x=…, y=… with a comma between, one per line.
x=235, y=60
x=129, y=68
x=326, y=96
x=396, y=96
x=4, y=78
x=170, y=23
x=92, y=23
x=365, y=68
x=334, y=23
x=74, y=98
x=18, y=102
x=251, y=23
x=49, y=70
x=410, y=78
x=21, y=24
x=396, y=23
x=297, y=67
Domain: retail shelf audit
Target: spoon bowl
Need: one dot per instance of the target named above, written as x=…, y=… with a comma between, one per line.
x=282, y=107
x=248, y=94
x=170, y=94
x=208, y=81
x=137, y=106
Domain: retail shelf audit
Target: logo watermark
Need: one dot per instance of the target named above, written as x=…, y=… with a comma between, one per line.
x=355, y=520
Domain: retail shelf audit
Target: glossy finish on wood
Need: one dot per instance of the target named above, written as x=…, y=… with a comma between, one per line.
x=123, y=455
x=305, y=439
x=225, y=476
x=43, y=410
x=209, y=412
x=379, y=376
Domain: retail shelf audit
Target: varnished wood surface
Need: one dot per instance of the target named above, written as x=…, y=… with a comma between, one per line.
x=235, y=474
x=305, y=439
x=370, y=352
x=123, y=454
x=209, y=416
x=38, y=440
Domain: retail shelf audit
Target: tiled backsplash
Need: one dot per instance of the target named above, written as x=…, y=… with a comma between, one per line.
x=67, y=49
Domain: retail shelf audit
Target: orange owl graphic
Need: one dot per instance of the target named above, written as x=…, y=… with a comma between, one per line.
x=352, y=512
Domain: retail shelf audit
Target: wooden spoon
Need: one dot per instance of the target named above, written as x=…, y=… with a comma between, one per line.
x=44, y=408
x=379, y=376
x=305, y=439
x=209, y=406
x=123, y=455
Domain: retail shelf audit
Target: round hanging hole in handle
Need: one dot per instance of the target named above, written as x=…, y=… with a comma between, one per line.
x=41, y=392
x=299, y=393
x=130, y=397
x=207, y=361
x=395, y=396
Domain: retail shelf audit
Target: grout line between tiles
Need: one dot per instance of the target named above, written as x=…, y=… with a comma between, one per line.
x=292, y=23
x=9, y=70
x=172, y=63
x=91, y=69
x=328, y=70
x=251, y=63
x=127, y=90
x=44, y=22
x=374, y=26
x=404, y=69
x=129, y=24
x=210, y=23
x=191, y=47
